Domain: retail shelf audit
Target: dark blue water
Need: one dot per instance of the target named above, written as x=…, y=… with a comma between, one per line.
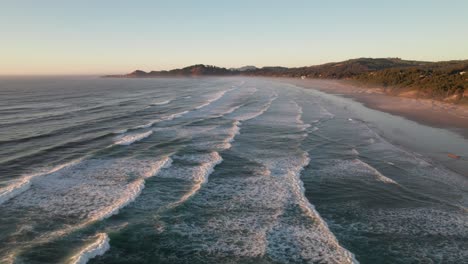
x=218, y=170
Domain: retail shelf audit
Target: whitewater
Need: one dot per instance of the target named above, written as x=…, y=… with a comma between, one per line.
x=217, y=170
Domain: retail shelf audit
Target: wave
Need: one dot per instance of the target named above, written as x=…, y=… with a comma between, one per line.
x=151, y=123
x=238, y=119
x=379, y=176
x=215, y=98
x=294, y=242
x=253, y=207
x=97, y=248
x=162, y=103
x=316, y=243
x=90, y=191
x=353, y=170
x=24, y=183
x=300, y=112
x=322, y=236
x=173, y=116
x=131, y=138
x=199, y=175
x=235, y=130
x=261, y=111
x=147, y=125
x=14, y=189
x=325, y=113
x=122, y=131
x=129, y=195
x=132, y=191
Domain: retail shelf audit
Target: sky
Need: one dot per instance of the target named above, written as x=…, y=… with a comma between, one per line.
x=110, y=37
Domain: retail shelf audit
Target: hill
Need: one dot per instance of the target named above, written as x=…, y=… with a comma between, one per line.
x=194, y=70
x=338, y=70
x=438, y=80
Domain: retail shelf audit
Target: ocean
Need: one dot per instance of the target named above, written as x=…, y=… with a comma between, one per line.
x=220, y=170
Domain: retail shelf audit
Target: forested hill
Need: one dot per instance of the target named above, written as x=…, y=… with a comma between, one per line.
x=440, y=80
x=194, y=70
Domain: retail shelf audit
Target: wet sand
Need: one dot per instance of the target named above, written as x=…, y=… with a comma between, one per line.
x=424, y=111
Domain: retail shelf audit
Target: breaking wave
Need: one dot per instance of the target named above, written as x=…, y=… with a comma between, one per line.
x=162, y=102
x=200, y=175
x=24, y=183
x=131, y=138
x=97, y=248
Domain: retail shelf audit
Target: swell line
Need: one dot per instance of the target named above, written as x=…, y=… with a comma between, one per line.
x=304, y=203
x=134, y=189
x=97, y=248
x=24, y=183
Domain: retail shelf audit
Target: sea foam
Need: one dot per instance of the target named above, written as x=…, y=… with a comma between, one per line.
x=214, y=98
x=87, y=192
x=251, y=208
x=97, y=248
x=131, y=138
x=198, y=174
x=24, y=183
x=162, y=102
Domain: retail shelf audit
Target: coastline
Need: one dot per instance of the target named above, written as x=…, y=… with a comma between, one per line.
x=423, y=111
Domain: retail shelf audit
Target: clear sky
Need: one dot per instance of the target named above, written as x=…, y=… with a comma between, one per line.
x=101, y=36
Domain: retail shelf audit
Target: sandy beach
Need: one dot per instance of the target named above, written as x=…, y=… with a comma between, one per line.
x=424, y=111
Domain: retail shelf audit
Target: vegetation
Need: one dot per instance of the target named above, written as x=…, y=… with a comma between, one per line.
x=439, y=80
x=444, y=80
x=194, y=70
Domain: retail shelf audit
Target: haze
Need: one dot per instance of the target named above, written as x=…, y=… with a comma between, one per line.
x=108, y=37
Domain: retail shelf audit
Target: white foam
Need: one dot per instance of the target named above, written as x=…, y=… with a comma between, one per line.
x=303, y=126
x=97, y=248
x=379, y=175
x=214, y=98
x=250, y=208
x=133, y=190
x=147, y=125
x=199, y=174
x=261, y=111
x=151, y=123
x=318, y=244
x=249, y=205
x=325, y=113
x=352, y=169
x=131, y=138
x=121, y=131
x=162, y=102
x=24, y=183
x=14, y=189
x=231, y=134
x=89, y=191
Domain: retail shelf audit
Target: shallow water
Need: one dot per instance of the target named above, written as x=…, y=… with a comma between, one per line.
x=220, y=170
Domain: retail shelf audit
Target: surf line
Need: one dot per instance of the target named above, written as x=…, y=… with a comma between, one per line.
x=298, y=191
x=170, y=117
x=209, y=167
x=135, y=188
x=24, y=183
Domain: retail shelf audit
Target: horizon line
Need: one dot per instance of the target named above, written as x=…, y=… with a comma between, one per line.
x=207, y=64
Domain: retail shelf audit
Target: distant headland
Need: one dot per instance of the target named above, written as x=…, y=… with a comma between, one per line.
x=445, y=80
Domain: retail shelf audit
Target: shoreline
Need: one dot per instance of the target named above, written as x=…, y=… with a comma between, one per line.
x=423, y=111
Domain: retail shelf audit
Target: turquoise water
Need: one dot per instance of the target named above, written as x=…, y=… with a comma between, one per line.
x=218, y=170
